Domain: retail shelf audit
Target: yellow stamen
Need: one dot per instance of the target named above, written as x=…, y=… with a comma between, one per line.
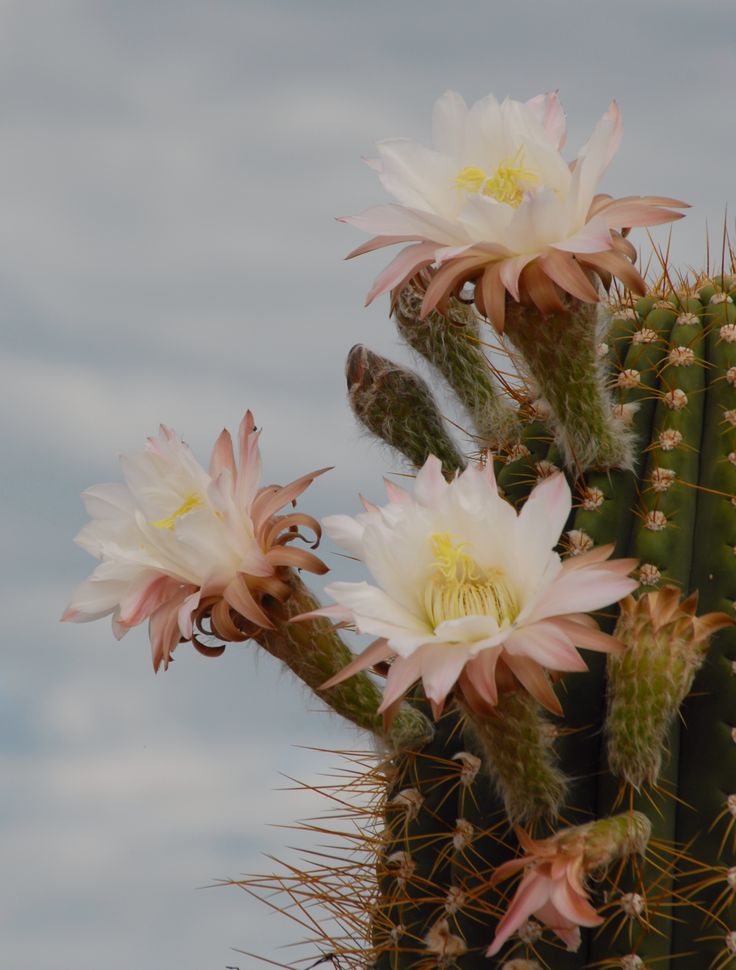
x=460, y=587
x=508, y=183
x=193, y=502
x=471, y=178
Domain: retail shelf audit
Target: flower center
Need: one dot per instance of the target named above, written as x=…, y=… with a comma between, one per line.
x=459, y=587
x=192, y=502
x=507, y=184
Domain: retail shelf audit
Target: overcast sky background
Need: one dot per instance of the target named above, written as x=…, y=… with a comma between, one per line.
x=169, y=174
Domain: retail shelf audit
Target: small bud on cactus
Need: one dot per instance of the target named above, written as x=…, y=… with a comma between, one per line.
x=398, y=407
x=666, y=644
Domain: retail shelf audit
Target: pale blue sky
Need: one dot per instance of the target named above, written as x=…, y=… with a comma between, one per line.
x=169, y=174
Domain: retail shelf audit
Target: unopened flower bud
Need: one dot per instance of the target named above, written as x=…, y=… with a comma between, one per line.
x=666, y=644
x=397, y=406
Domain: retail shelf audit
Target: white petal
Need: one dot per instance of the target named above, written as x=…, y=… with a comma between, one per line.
x=448, y=124
x=581, y=591
x=549, y=113
x=544, y=514
x=546, y=644
x=475, y=630
x=378, y=613
x=430, y=484
x=485, y=220
x=398, y=220
x=441, y=664
x=418, y=177
x=593, y=160
x=108, y=501
x=347, y=532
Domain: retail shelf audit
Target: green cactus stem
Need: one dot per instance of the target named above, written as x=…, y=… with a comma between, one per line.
x=517, y=743
x=452, y=346
x=561, y=352
x=314, y=651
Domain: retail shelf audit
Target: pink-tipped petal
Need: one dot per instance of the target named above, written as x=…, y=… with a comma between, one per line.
x=545, y=513
x=573, y=907
x=249, y=474
x=531, y=676
x=242, y=601
x=595, y=555
x=184, y=614
x=441, y=665
x=404, y=672
x=377, y=652
x=581, y=591
x=566, y=272
x=532, y=893
x=510, y=271
x=548, y=644
x=378, y=242
x=396, y=493
x=593, y=237
x=141, y=602
x=223, y=456
x=481, y=672
x=338, y=614
x=549, y=112
x=447, y=279
x=403, y=266
x=617, y=265
x=430, y=484
x=588, y=637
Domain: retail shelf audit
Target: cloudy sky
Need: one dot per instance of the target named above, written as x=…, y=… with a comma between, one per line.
x=169, y=172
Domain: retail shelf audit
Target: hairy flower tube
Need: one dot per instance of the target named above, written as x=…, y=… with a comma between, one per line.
x=470, y=592
x=495, y=203
x=188, y=549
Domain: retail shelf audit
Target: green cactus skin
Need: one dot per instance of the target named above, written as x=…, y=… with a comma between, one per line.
x=707, y=764
x=668, y=367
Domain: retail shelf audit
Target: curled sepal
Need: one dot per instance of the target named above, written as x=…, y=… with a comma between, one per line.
x=666, y=644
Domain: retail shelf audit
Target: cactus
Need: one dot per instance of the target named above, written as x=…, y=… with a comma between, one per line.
x=521, y=806
x=642, y=767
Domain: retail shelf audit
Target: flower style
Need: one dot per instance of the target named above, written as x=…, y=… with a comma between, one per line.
x=188, y=549
x=552, y=888
x=495, y=203
x=470, y=592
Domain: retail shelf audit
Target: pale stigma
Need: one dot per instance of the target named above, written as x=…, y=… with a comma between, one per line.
x=459, y=587
x=193, y=502
x=508, y=184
